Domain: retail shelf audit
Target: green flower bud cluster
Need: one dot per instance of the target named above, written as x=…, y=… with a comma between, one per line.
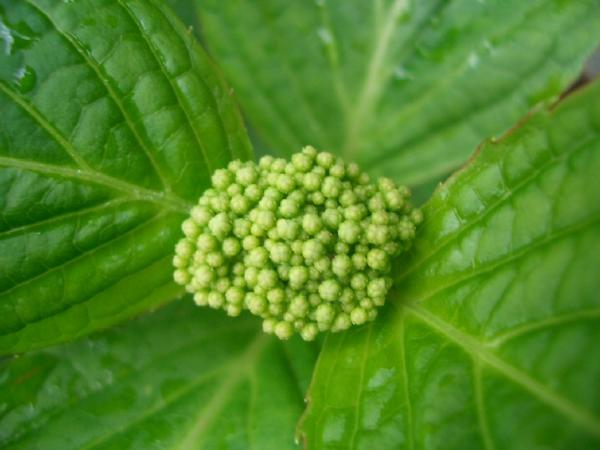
x=306, y=245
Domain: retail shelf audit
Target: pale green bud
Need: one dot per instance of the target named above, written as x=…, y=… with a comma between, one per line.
x=358, y=316
x=349, y=232
x=329, y=290
x=221, y=179
x=283, y=330
x=377, y=259
x=190, y=228
x=215, y=299
x=311, y=223
x=201, y=215
x=246, y=175
x=325, y=159
x=312, y=250
x=231, y=247
x=181, y=276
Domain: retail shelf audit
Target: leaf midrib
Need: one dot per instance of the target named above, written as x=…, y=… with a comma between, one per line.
x=96, y=68
x=580, y=416
x=239, y=368
x=492, y=206
x=133, y=191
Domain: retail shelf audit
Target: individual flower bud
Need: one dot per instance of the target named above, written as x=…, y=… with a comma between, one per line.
x=250, y=242
x=278, y=165
x=240, y=204
x=289, y=208
x=311, y=223
x=323, y=265
x=299, y=306
x=377, y=203
x=377, y=287
x=377, y=234
x=180, y=262
x=251, y=276
x=332, y=218
x=359, y=281
x=234, y=189
x=406, y=230
x=331, y=187
x=283, y=330
x=181, y=276
x=309, y=332
x=324, y=313
x=257, y=304
x=317, y=198
x=246, y=175
x=377, y=259
x=298, y=276
x=312, y=250
x=265, y=162
x=394, y=200
x=222, y=178
x=219, y=225
x=215, y=299
x=349, y=232
x=253, y=192
x=325, y=160
x=416, y=216
x=231, y=247
x=268, y=326
x=215, y=259
x=234, y=295
x=190, y=228
x=341, y=322
x=203, y=276
x=302, y=162
x=265, y=219
x=341, y=265
x=257, y=257
x=358, y=316
x=267, y=279
x=287, y=229
x=348, y=198
x=312, y=181
x=280, y=253
x=329, y=290
x=201, y=215
x=184, y=249
x=355, y=213
x=337, y=170
x=276, y=295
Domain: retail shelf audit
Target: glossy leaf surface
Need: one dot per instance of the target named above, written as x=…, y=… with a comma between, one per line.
x=407, y=88
x=112, y=119
x=491, y=338
x=180, y=378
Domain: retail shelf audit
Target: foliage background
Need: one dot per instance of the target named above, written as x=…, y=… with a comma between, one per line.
x=113, y=117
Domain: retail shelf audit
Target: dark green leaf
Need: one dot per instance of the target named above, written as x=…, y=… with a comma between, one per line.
x=492, y=337
x=406, y=87
x=112, y=119
x=178, y=379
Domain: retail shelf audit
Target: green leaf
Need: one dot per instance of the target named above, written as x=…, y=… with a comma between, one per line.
x=491, y=339
x=406, y=87
x=178, y=379
x=112, y=120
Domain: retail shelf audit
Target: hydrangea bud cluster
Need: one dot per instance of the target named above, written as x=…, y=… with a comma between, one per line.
x=306, y=244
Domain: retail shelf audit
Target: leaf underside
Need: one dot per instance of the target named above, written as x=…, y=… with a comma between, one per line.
x=490, y=339
x=112, y=120
x=209, y=382
x=406, y=88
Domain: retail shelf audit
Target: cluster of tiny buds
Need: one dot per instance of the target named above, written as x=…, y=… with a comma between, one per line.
x=305, y=244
